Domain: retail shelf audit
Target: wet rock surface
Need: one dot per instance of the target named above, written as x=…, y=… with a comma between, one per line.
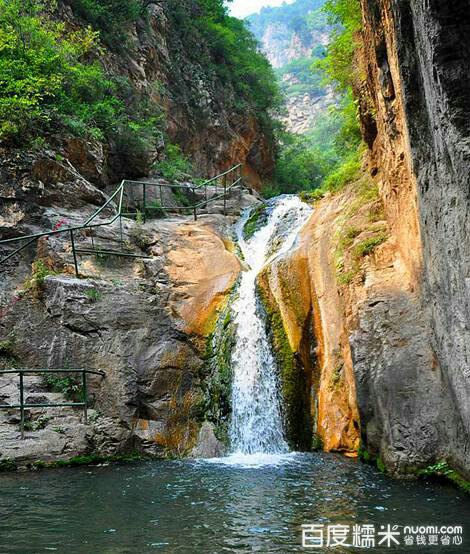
x=144, y=322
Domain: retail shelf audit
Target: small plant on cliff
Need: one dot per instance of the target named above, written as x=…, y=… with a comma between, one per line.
x=367, y=246
x=38, y=424
x=6, y=347
x=8, y=358
x=175, y=166
x=443, y=470
x=94, y=295
x=69, y=385
x=35, y=284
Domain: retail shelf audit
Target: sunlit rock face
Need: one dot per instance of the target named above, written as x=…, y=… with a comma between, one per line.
x=310, y=340
x=144, y=322
x=414, y=106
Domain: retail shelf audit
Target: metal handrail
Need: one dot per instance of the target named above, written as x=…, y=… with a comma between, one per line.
x=22, y=405
x=89, y=222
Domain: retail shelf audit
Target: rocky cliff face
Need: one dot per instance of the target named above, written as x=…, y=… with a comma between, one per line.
x=199, y=109
x=407, y=316
x=144, y=323
x=289, y=43
x=419, y=84
x=283, y=46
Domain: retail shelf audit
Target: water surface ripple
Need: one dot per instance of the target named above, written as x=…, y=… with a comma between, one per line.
x=199, y=507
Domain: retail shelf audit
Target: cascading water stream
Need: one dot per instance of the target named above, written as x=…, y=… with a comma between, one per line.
x=256, y=425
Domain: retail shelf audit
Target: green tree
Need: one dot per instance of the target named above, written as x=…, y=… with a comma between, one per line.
x=111, y=17
x=345, y=15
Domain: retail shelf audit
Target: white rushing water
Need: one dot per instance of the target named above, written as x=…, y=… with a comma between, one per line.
x=256, y=426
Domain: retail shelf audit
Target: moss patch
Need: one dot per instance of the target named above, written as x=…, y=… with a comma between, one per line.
x=8, y=465
x=294, y=392
x=360, y=230
x=75, y=461
x=217, y=374
x=367, y=246
x=442, y=470
x=257, y=219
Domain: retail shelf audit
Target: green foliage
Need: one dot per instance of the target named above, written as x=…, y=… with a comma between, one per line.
x=256, y=220
x=139, y=218
x=224, y=53
x=38, y=424
x=329, y=156
x=93, y=295
x=326, y=158
x=343, y=173
x=311, y=196
x=69, y=385
x=50, y=78
x=367, y=246
x=155, y=209
x=380, y=465
x=291, y=16
x=93, y=459
x=175, y=166
x=6, y=347
x=237, y=60
x=296, y=77
x=8, y=357
x=35, y=283
x=271, y=189
x=181, y=197
x=337, y=64
x=8, y=465
x=111, y=17
x=443, y=470
x=37, y=64
x=346, y=277
x=300, y=164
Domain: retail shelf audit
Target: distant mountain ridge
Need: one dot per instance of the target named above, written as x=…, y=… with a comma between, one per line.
x=292, y=36
x=286, y=32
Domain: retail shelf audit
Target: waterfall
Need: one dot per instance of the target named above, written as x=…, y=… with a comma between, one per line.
x=256, y=424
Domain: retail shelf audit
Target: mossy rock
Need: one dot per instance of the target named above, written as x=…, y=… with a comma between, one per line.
x=442, y=470
x=258, y=218
x=292, y=376
x=217, y=373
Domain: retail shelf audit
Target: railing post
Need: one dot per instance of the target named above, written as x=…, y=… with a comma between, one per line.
x=21, y=405
x=85, y=398
x=161, y=196
x=225, y=194
x=75, y=263
x=120, y=229
x=144, y=198
x=194, y=204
